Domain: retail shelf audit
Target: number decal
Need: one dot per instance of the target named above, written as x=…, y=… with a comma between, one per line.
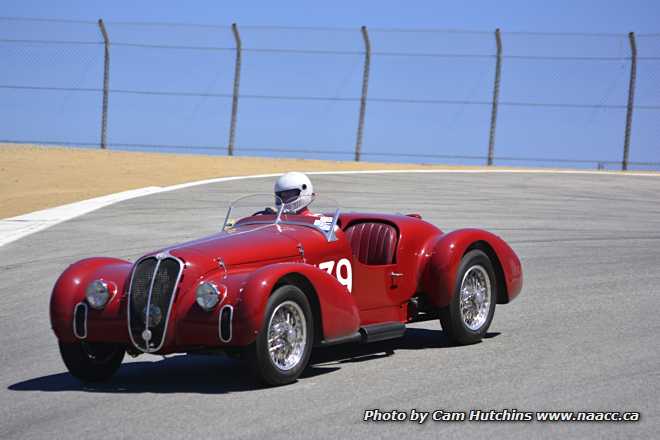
x=327, y=266
x=348, y=279
x=345, y=264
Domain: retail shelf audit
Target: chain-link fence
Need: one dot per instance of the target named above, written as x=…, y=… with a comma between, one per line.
x=411, y=95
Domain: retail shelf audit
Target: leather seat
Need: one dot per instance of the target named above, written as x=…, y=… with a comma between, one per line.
x=373, y=242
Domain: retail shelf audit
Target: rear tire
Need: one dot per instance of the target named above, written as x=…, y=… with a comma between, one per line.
x=92, y=361
x=467, y=317
x=283, y=346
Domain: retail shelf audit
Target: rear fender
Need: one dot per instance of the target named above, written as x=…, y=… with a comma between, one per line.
x=336, y=308
x=440, y=276
x=69, y=290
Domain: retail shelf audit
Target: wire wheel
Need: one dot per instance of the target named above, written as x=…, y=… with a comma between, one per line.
x=475, y=297
x=287, y=335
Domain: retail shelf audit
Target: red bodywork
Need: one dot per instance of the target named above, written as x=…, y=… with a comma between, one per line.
x=258, y=258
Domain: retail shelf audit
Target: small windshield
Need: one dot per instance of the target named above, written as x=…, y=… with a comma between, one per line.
x=255, y=209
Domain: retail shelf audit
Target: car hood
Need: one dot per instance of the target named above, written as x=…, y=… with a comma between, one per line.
x=248, y=244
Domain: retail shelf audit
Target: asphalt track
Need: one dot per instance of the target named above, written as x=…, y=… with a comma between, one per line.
x=581, y=336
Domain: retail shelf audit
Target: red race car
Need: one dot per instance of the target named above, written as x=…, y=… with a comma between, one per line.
x=272, y=285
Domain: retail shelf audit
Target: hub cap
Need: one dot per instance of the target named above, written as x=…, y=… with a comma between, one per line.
x=287, y=335
x=475, y=297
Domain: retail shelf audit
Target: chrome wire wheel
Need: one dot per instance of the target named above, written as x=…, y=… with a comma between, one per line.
x=287, y=335
x=475, y=297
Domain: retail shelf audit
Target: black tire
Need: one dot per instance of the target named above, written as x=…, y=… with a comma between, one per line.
x=258, y=355
x=92, y=361
x=450, y=316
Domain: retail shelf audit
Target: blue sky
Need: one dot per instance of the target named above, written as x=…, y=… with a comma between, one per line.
x=561, y=16
x=329, y=126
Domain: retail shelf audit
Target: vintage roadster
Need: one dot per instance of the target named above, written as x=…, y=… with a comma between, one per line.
x=272, y=285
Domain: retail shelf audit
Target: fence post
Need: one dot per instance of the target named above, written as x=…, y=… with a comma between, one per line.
x=631, y=99
x=496, y=97
x=237, y=82
x=365, y=88
x=106, y=83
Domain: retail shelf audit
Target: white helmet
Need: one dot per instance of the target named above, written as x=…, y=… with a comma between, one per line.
x=295, y=190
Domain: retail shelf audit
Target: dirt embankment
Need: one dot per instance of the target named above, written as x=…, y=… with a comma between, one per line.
x=33, y=177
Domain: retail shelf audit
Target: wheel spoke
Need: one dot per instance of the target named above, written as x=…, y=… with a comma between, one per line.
x=475, y=297
x=287, y=335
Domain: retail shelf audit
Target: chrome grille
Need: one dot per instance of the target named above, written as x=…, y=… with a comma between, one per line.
x=150, y=297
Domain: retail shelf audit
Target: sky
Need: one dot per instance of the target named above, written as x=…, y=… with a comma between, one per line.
x=561, y=16
x=327, y=127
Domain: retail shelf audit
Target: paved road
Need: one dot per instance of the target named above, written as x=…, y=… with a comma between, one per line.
x=582, y=335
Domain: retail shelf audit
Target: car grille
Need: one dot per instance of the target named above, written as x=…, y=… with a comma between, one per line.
x=153, y=283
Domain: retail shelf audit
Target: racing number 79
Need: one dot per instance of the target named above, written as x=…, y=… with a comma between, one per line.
x=344, y=263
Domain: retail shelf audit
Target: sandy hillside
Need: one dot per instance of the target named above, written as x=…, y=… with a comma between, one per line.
x=33, y=177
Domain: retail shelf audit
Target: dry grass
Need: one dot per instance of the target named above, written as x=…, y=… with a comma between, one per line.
x=34, y=177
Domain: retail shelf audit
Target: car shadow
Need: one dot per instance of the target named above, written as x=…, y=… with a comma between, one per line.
x=414, y=339
x=219, y=374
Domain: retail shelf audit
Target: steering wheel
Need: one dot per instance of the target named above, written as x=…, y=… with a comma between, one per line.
x=267, y=211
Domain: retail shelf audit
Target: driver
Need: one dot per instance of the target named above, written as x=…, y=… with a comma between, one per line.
x=296, y=192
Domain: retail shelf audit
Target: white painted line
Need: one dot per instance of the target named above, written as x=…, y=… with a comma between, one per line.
x=495, y=171
x=445, y=171
x=14, y=228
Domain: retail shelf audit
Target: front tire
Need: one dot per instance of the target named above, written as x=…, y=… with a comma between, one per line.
x=92, y=361
x=283, y=346
x=470, y=312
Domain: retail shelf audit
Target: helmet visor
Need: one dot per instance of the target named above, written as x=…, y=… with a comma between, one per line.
x=288, y=195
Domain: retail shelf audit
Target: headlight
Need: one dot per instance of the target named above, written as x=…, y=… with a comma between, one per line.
x=97, y=294
x=209, y=295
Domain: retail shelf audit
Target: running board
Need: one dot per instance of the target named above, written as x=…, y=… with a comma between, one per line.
x=370, y=333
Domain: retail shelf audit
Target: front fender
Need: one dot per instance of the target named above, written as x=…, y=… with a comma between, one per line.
x=440, y=276
x=69, y=290
x=339, y=313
